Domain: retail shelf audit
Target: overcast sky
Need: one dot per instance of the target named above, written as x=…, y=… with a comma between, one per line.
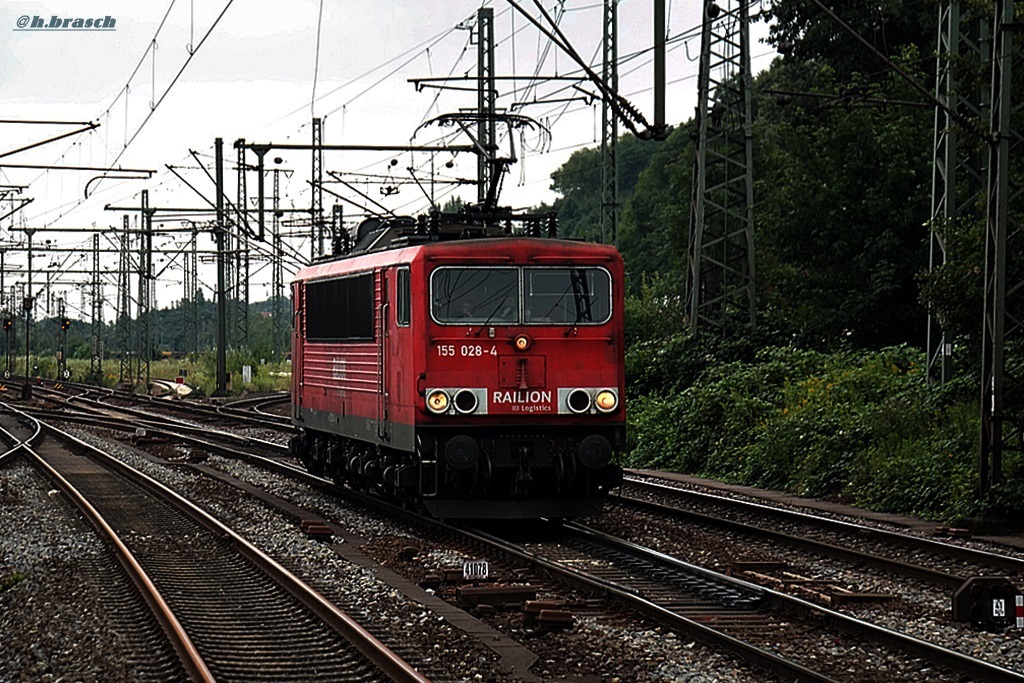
x=253, y=78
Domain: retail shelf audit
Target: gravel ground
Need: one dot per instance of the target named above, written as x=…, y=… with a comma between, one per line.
x=594, y=649
x=51, y=633
x=923, y=610
x=56, y=622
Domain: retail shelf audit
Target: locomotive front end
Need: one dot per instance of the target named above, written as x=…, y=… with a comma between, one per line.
x=521, y=408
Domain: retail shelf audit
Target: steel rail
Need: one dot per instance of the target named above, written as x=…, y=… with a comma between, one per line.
x=383, y=657
x=959, y=552
x=615, y=592
x=976, y=668
x=275, y=422
x=898, y=566
x=162, y=424
x=190, y=658
x=19, y=445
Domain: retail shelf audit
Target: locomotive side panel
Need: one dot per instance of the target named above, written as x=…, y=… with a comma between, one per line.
x=341, y=330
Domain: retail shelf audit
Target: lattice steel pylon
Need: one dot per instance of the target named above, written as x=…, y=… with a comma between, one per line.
x=146, y=294
x=316, y=211
x=720, y=258
x=96, y=360
x=240, y=243
x=487, y=97
x=190, y=307
x=610, y=128
x=956, y=168
x=1002, y=402
x=124, y=308
x=277, y=270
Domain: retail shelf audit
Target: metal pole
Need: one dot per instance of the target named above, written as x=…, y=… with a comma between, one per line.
x=26, y=390
x=222, y=308
x=317, y=208
x=124, y=306
x=1000, y=400
x=659, y=65
x=486, y=100
x=96, y=365
x=145, y=294
x=610, y=129
x=277, y=269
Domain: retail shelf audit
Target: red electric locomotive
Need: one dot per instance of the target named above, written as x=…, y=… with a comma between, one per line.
x=474, y=371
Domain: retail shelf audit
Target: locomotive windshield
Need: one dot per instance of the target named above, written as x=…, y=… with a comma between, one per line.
x=510, y=296
x=476, y=296
x=567, y=295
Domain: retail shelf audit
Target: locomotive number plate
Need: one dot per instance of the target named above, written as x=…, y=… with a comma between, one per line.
x=474, y=570
x=466, y=350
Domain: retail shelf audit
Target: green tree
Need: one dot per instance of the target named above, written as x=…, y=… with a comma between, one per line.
x=842, y=197
x=578, y=182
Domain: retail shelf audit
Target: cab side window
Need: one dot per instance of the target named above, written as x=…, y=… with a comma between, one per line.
x=402, y=309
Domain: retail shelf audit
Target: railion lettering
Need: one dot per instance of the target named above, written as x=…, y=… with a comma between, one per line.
x=520, y=397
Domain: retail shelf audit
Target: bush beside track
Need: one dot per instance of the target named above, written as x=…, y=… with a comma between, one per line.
x=852, y=425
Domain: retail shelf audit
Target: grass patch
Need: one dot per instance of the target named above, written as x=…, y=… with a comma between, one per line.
x=9, y=580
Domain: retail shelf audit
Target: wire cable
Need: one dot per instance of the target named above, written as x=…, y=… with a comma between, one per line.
x=156, y=105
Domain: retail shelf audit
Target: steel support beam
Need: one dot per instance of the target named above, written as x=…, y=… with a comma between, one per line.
x=316, y=211
x=486, y=101
x=96, y=359
x=124, y=308
x=280, y=341
x=190, y=305
x=956, y=169
x=1002, y=403
x=610, y=128
x=720, y=258
x=222, y=289
x=146, y=295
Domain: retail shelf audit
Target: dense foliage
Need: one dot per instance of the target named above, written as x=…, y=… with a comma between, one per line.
x=830, y=396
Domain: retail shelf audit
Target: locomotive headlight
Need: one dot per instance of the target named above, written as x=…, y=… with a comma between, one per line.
x=465, y=401
x=437, y=401
x=522, y=342
x=606, y=400
x=578, y=401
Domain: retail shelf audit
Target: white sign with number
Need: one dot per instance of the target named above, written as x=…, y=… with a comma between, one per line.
x=474, y=570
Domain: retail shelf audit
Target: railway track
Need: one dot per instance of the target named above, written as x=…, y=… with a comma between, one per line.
x=236, y=613
x=943, y=564
x=790, y=637
x=260, y=405
x=86, y=410
x=247, y=411
x=662, y=592
x=136, y=631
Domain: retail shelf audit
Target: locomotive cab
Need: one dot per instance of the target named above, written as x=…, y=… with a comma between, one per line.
x=523, y=386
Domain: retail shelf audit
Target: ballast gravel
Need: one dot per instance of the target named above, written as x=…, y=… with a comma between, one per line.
x=53, y=626
x=594, y=649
